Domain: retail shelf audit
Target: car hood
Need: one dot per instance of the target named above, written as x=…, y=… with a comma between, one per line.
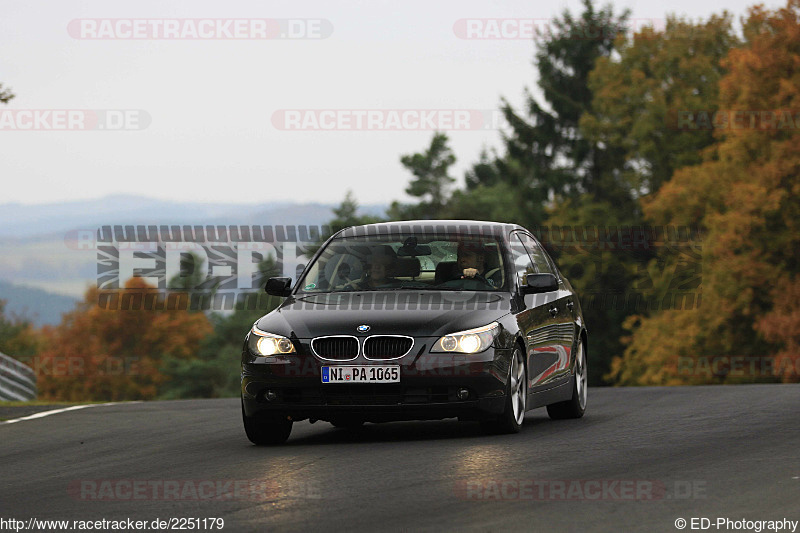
x=418, y=314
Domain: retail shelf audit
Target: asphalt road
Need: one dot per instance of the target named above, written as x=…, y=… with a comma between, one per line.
x=640, y=459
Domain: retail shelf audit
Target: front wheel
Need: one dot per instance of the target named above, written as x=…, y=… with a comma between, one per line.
x=575, y=406
x=516, y=395
x=266, y=430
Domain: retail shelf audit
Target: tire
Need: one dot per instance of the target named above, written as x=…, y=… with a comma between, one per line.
x=516, y=397
x=266, y=430
x=575, y=406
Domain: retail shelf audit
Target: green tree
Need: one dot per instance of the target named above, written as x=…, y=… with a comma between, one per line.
x=544, y=154
x=485, y=172
x=431, y=182
x=18, y=338
x=215, y=372
x=345, y=215
x=499, y=203
x=5, y=94
x=603, y=271
x=488, y=195
x=545, y=151
x=556, y=176
x=191, y=274
x=639, y=93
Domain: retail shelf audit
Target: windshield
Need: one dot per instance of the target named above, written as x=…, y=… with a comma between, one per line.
x=407, y=262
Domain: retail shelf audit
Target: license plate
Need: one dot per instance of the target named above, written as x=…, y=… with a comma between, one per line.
x=361, y=374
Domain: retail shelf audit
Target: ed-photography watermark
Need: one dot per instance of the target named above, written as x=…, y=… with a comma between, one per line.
x=217, y=267
x=553, y=490
x=202, y=29
x=736, y=524
x=74, y=119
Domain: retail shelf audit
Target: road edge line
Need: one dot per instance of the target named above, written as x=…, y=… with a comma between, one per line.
x=64, y=410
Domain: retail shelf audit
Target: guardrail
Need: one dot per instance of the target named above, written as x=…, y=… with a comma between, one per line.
x=17, y=380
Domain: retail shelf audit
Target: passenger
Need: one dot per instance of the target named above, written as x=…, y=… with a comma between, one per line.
x=381, y=268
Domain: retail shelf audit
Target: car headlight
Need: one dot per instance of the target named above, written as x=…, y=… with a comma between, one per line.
x=469, y=341
x=266, y=344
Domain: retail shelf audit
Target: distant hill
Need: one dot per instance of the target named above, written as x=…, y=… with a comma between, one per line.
x=25, y=221
x=38, y=306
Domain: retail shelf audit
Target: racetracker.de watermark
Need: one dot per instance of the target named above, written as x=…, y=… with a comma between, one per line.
x=188, y=489
x=737, y=366
x=611, y=490
x=79, y=365
x=74, y=119
x=203, y=29
x=388, y=119
x=533, y=28
x=733, y=119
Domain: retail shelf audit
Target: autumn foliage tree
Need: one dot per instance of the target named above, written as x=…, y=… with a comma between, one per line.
x=114, y=354
x=745, y=195
x=637, y=92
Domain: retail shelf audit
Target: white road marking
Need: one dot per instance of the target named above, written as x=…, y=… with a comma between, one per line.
x=57, y=411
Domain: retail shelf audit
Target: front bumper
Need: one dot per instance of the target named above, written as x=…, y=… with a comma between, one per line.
x=428, y=387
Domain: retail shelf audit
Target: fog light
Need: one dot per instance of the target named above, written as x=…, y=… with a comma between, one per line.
x=270, y=396
x=463, y=394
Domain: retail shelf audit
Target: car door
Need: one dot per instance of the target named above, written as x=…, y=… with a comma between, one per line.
x=553, y=338
x=532, y=317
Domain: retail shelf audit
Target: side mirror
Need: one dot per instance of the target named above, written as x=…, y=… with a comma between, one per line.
x=279, y=286
x=538, y=283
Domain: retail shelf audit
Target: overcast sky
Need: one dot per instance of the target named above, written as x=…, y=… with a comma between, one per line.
x=210, y=110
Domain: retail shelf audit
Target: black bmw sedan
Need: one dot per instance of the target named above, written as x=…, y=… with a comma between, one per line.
x=417, y=320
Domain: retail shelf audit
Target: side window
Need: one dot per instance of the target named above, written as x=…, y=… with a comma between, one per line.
x=522, y=260
x=538, y=256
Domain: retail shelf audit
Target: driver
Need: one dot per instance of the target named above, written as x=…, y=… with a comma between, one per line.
x=472, y=262
x=471, y=259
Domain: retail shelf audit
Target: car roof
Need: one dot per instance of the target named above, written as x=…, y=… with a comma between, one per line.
x=471, y=227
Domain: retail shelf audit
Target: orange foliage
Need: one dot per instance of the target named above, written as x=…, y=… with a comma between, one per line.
x=109, y=354
x=782, y=325
x=654, y=358
x=746, y=196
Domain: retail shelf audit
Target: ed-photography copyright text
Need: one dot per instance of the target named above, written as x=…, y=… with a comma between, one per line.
x=739, y=524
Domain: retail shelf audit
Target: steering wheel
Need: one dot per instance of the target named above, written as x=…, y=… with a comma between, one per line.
x=353, y=285
x=474, y=283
